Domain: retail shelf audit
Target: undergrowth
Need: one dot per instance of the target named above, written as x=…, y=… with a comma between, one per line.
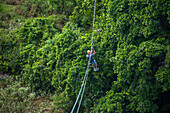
x=14, y=97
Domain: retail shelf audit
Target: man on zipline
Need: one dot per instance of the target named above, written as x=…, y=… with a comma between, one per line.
x=92, y=61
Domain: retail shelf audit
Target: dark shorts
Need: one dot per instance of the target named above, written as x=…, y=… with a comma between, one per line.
x=94, y=62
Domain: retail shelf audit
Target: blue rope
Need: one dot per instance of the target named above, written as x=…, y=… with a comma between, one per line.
x=82, y=93
x=86, y=75
x=90, y=56
x=81, y=87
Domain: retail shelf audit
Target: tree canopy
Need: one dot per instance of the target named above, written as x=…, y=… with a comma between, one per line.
x=132, y=52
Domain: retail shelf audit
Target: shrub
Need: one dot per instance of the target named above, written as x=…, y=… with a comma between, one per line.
x=15, y=98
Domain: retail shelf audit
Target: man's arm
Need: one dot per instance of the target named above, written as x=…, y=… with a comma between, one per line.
x=94, y=51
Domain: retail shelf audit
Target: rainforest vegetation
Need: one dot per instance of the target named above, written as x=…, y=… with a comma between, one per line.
x=43, y=46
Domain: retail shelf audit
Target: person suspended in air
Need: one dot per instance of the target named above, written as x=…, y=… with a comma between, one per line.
x=92, y=61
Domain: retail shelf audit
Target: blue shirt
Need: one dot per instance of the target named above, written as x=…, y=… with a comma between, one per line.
x=92, y=57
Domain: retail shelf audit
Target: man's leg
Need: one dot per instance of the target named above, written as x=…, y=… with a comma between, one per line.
x=96, y=65
x=96, y=69
x=93, y=65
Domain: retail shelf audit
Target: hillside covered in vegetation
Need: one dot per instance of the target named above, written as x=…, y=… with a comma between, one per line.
x=43, y=46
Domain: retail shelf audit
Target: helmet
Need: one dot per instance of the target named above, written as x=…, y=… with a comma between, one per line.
x=88, y=52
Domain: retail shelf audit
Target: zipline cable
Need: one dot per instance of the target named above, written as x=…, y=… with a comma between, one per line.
x=82, y=93
x=86, y=74
x=80, y=89
x=90, y=56
x=93, y=24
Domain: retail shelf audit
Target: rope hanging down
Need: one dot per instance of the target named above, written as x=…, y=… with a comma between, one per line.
x=86, y=74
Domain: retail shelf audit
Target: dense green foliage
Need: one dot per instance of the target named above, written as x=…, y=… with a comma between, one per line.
x=141, y=60
x=132, y=52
